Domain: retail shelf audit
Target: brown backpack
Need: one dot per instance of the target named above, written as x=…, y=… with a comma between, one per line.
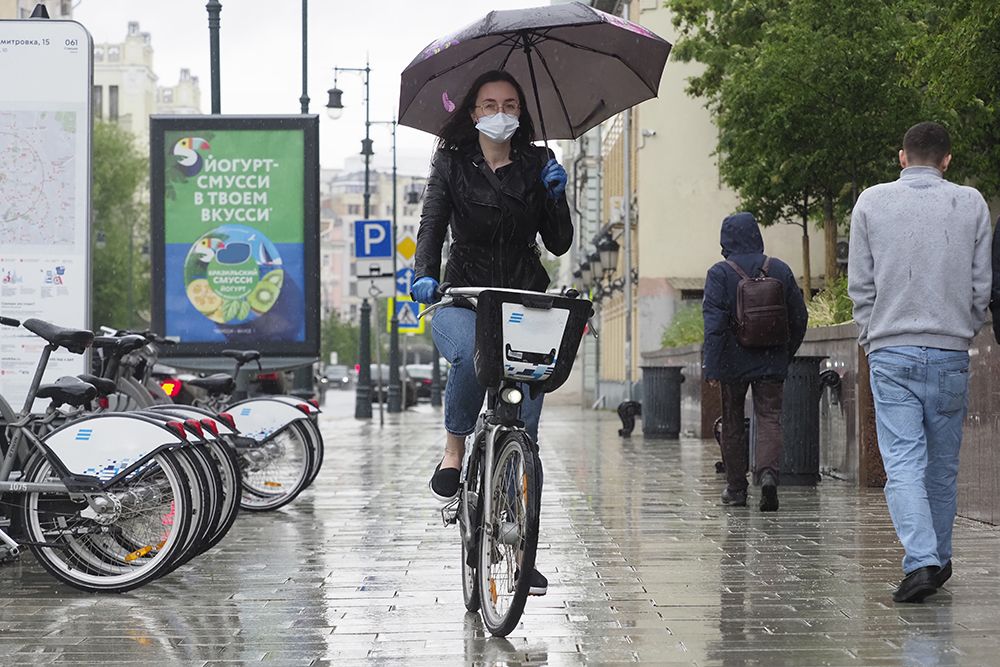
x=761, y=309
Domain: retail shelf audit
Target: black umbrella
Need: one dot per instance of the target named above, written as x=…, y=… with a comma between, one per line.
x=583, y=66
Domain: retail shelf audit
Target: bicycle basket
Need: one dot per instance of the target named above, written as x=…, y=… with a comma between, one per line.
x=527, y=337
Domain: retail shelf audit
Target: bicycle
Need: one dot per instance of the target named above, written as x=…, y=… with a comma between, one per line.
x=525, y=341
x=107, y=499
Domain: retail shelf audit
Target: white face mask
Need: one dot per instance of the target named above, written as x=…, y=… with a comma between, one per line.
x=499, y=127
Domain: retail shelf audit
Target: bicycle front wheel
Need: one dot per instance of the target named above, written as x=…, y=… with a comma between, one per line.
x=509, y=534
x=469, y=519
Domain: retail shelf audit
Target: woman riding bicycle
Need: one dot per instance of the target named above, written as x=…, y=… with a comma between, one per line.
x=497, y=193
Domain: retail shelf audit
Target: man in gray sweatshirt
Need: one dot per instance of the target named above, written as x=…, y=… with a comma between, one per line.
x=919, y=275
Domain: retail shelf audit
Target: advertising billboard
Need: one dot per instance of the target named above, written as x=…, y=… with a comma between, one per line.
x=45, y=131
x=236, y=233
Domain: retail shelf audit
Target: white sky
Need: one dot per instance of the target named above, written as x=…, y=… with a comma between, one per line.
x=261, y=57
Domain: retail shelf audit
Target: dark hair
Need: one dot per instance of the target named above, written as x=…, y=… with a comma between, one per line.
x=927, y=143
x=460, y=133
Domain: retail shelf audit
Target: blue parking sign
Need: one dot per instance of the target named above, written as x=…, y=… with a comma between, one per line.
x=373, y=239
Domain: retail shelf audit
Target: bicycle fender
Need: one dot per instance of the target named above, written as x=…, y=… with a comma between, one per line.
x=192, y=412
x=102, y=446
x=260, y=418
x=295, y=402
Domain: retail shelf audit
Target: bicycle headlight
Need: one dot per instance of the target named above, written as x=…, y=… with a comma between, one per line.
x=511, y=395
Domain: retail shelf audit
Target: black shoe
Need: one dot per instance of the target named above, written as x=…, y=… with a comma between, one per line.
x=538, y=585
x=917, y=585
x=444, y=484
x=943, y=575
x=734, y=498
x=768, y=492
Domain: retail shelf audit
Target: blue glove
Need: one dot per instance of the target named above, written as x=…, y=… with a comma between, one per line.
x=554, y=179
x=424, y=290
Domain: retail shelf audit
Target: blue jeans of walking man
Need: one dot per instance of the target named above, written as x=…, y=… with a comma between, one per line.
x=921, y=397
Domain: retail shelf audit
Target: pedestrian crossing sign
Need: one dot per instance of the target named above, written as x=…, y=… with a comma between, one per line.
x=409, y=320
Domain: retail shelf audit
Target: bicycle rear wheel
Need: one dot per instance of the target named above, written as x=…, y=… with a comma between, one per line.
x=509, y=534
x=277, y=471
x=151, y=507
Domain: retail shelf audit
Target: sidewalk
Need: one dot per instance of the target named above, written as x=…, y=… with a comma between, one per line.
x=643, y=563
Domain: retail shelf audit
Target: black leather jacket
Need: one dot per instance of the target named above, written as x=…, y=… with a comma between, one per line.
x=493, y=243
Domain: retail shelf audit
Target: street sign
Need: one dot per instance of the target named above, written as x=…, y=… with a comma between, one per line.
x=405, y=250
x=409, y=320
x=373, y=249
x=46, y=84
x=404, y=281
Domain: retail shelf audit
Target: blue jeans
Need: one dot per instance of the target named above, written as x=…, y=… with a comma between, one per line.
x=921, y=397
x=454, y=331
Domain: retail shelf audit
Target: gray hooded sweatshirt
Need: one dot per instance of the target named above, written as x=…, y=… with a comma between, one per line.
x=919, y=269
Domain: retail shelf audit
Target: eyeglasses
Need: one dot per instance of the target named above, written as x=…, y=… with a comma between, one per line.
x=490, y=107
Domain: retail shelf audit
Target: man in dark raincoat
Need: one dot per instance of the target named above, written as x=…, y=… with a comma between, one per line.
x=737, y=368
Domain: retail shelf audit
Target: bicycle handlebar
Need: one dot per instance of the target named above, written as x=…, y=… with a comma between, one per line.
x=9, y=322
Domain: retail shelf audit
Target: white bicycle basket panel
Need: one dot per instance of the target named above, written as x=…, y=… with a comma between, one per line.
x=259, y=418
x=291, y=400
x=103, y=445
x=531, y=341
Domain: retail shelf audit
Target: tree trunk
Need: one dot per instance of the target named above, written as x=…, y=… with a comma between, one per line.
x=830, y=232
x=806, y=260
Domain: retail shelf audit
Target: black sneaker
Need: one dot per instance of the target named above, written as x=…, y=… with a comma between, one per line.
x=444, y=483
x=768, y=492
x=734, y=498
x=917, y=585
x=538, y=585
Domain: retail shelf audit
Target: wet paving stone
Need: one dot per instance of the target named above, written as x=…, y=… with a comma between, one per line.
x=644, y=565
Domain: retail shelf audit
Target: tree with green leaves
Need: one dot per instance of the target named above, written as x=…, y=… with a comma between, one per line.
x=809, y=97
x=957, y=63
x=120, y=230
x=341, y=337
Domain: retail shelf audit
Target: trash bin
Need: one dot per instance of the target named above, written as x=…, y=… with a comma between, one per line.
x=799, y=423
x=661, y=403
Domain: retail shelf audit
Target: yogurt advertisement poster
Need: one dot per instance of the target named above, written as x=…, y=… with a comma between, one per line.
x=234, y=237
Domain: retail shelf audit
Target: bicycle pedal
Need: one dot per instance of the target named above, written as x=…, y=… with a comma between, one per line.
x=449, y=513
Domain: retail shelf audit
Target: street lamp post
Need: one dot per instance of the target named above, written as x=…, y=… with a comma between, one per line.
x=335, y=107
x=395, y=392
x=214, y=8
x=304, y=100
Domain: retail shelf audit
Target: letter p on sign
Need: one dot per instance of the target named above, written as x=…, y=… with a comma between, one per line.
x=373, y=239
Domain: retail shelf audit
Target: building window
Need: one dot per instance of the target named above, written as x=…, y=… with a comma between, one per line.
x=99, y=54
x=688, y=295
x=354, y=209
x=113, y=53
x=97, y=102
x=113, y=104
x=66, y=8
x=168, y=95
x=352, y=289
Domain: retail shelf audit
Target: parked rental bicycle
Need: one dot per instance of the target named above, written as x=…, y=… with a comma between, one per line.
x=107, y=502
x=525, y=341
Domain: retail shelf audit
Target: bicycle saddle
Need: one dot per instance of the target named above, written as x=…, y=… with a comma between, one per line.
x=220, y=383
x=120, y=345
x=242, y=356
x=104, y=386
x=75, y=340
x=69, y=390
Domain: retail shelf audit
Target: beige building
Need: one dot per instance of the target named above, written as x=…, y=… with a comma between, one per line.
x=126, y=90
x=678, y=203
x=341, y=203
x=21, y=9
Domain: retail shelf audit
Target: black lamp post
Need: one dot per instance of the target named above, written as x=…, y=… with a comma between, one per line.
x=214, y=8
x=394, y=396
x=608, y=248
x=304, y=100
x=335, y=109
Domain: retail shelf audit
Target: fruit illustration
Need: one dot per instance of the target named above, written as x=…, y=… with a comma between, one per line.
x=202, y=297
x=276, y=277
x=264, y=295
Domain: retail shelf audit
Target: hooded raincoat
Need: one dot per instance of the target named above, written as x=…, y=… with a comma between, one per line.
x=724, y=358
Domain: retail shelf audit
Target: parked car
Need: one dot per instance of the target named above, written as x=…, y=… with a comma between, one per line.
x=409, y=386
x=422, y=375
x=337, y=377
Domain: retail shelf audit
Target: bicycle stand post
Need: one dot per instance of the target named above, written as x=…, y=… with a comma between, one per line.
x=627, y=412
